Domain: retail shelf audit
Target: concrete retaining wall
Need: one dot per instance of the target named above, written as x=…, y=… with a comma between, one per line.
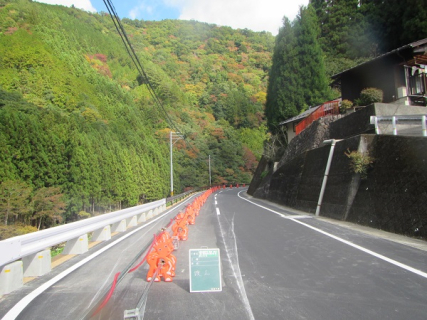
x=393, y=197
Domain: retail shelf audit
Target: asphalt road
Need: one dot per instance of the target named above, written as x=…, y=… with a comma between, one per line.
x=276, y=264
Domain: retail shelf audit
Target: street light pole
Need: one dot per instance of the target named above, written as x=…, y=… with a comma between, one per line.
x=210, y=179
x=172, y=136
x=170, y=139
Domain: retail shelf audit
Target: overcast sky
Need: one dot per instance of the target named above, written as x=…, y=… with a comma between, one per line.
x=256, y=15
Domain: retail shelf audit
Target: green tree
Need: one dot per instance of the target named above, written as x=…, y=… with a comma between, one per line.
x=14, y=200
x=312, y=67
x=297, y=76
x=284, y=93
x=337, y=19
x=48, y=206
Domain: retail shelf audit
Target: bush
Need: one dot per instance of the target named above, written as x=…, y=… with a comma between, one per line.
x=18, y=229
x=84, y=215
x=360, y=162
x=345, y=105
x=369, y=96
x=264, y=174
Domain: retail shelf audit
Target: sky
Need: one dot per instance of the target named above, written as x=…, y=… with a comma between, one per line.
x=256, y=15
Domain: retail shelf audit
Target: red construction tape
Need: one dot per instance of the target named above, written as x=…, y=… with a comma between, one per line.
x=110, y=293
x=145, y=258
x=113, y=285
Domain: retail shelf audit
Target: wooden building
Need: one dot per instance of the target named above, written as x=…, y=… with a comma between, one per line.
x=400, y=74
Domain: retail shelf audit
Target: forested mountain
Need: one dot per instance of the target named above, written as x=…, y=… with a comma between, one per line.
x=330, y=36
x=80, y=132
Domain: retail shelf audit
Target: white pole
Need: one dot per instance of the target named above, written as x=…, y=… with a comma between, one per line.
x=393, y=122
x=423, y=119
x=170, y=138
x=325, y=178
x=210, y=180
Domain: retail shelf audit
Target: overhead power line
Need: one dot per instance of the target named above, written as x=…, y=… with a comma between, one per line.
x=120, y=29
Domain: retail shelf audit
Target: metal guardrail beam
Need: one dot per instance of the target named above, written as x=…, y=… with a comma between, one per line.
x=401, y=119
x=17, y=247
x=178, y=196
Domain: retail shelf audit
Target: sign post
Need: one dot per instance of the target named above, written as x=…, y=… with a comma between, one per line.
x=205, y=270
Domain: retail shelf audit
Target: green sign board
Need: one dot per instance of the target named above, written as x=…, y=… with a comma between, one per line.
x=205, y=270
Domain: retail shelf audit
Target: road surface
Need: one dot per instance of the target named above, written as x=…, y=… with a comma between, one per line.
x=276, y=264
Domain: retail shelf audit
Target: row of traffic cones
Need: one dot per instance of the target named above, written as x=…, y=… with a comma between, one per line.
x=161, y=257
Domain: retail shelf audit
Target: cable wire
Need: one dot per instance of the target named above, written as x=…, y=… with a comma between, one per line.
x=122, y=33
x=120, y=29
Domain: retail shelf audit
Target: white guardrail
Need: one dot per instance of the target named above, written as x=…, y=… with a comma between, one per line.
x=414, y=125
x=21, y=246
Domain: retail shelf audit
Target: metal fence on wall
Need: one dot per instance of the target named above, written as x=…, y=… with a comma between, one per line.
x=328, y=108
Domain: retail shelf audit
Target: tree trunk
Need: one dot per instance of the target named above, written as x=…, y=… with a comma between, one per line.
x=7, y=212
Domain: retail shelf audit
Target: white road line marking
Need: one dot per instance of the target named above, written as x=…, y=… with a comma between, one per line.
x=375, y=254
x=298, y=217
x=216, y=202
x=217, y=212
x=24, y=302
x=236, y=267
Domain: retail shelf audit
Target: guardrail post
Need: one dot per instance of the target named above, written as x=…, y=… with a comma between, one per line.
x=119, y=226
x=393, y=121
x=149, y=214
x=142, y=217
x=77, y=246
x=11, y=277
x=131, y=222
x=103, y=234
x=38, y=264
x=423, y=119
x=377, y=128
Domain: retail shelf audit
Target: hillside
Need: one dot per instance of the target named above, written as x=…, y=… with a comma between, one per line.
x=76, y=119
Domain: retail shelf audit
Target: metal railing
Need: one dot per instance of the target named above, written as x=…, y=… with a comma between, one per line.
x=18, y=247
x=178, y=197
x=407, y=123
x=328, y=108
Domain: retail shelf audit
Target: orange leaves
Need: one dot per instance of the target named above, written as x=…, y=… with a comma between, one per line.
x=101, y=57
x=99, y=63
x=235, y=78
x=218, y=133
x=250, y=160
x=191, y=154
x=11, y=30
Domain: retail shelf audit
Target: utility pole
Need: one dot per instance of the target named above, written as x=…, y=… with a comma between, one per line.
x=173, y=136
x=210, y=179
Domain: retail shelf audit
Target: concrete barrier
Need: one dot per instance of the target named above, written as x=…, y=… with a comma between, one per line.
x=11, y=277
x=142, y=217
x=103, y=234
x=131, y=222
x=149, y=214
x=119, y=226
x=77, y=246
x=37, y=264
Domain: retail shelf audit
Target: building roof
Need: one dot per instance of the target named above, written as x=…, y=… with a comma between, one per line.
x=420, y=50
x=301, y=116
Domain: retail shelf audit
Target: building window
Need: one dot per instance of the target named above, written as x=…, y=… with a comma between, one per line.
x=417, y=83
